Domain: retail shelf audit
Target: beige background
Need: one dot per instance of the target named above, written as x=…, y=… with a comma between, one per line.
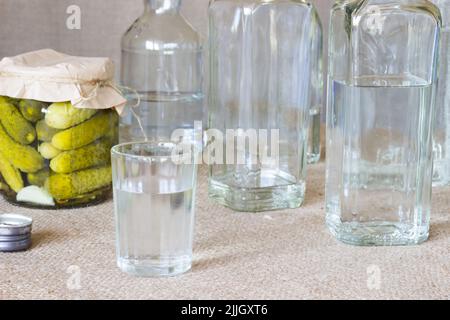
x=35, y=24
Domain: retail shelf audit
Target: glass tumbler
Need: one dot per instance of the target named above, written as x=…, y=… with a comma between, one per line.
x=381, y=96
x=154, y=198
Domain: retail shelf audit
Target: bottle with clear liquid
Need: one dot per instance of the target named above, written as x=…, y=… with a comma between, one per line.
x=262, y=61
x=162, y=64
x=441, y=146
x=380, y=114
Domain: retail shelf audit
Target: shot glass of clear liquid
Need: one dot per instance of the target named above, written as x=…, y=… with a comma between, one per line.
x=154, y=197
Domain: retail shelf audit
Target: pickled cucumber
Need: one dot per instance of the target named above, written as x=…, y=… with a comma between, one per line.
x=86, y=132
x=44, y=132
x=113, y=134
x=32, y=109
x=62, y=115
x=15, y=124
x=38, y=178
x=22, y=157
x=48, y=151
x=69, y=186
x=96, y=154
x=10, y=174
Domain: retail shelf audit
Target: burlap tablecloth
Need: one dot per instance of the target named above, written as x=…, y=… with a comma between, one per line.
x=276, y=255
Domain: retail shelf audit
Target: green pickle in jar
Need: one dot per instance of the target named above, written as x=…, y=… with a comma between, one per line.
x=53, y=155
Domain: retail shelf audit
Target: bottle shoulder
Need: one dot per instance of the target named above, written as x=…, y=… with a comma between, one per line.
x=161, y=31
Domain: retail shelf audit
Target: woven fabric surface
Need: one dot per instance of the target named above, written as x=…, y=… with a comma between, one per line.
x=274, y=255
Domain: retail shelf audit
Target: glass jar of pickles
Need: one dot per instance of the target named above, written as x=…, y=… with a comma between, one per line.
x=56, y=154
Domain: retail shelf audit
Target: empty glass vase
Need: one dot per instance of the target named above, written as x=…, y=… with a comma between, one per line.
x=264, y=58
x=382, y=80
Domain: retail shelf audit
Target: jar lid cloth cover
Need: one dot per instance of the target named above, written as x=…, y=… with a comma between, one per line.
x=50, y=76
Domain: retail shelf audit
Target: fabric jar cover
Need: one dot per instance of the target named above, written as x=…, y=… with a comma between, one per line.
x=50, y=76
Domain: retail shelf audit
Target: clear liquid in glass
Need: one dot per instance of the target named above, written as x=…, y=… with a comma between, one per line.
x=154, y=201
x=160, y=114
x=155, y=231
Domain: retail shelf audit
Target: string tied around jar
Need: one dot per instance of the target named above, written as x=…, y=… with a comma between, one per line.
x=119, y=89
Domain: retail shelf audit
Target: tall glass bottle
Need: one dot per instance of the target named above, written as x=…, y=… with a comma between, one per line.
x=261, y=68
x=441, y=147
x=382, y=79
x=162, y=61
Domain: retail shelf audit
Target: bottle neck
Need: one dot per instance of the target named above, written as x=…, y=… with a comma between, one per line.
x=162, y=6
